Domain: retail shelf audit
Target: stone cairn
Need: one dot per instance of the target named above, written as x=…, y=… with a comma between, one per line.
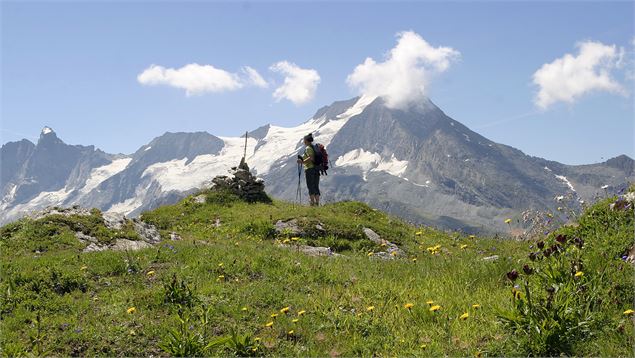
x=243, y=184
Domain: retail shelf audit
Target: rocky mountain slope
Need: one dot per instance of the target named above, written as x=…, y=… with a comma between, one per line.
x=418, y=163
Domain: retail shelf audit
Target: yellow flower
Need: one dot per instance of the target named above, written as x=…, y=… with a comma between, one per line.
x=629, y=312
x=559, y=208
x=83, y=268
x=274, y=315
x=476, y=306
x=414, y=259
x=295, y=320
x=464, y=316
x=370, y=308
x=221, y=277
x=300, y=313
x=550, y=215
x=286, y=241
x=419, y=233
x=435, y=308
x=423, y=346
x=463, y=246
x=430, y=302
x=131, y=310
x=244, y=309
x=269, y=324
x=394, y=253
x=220, y=264
x=371, y=253
x=408, y=305
x=150, y=273
x=291, y=332
x=257, y=339
x=507, y=221
x=284, y=310
x=579, y=274
x=295, y=238
x=472, y=236
x=383, y=244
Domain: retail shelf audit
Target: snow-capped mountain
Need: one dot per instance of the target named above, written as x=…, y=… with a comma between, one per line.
x=417, y=163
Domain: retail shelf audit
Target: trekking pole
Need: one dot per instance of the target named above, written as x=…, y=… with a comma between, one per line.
x=298, y=193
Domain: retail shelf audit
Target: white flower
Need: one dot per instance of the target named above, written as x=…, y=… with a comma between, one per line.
x=605, y=186
x=630, y=197
x=559, y=198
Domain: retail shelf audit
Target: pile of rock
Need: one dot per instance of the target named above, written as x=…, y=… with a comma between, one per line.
x=243, y=184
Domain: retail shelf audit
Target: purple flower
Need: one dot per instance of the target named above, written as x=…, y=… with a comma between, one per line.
x=528, y=270
x=540, y=244
x=561, y=238
x=512, y=275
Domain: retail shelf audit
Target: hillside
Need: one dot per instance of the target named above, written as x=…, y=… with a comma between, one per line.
x=418, y=164
x=224, y=281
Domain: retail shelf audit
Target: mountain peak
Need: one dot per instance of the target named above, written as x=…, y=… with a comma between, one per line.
x=47, y=130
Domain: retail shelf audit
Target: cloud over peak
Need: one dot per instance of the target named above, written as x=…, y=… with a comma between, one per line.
x=197, y=79
x=299, y=84
x=403, y=77
x=569, y=77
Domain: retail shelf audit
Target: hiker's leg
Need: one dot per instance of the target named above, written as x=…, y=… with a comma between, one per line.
x=317, y=200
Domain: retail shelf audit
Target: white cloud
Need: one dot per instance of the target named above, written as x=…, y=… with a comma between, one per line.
x=569, y=77
x=254, y=77
x=198, y=79
x=402, y=79
x=299, y=84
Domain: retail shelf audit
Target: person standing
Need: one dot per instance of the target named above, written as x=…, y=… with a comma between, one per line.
x=311, y=170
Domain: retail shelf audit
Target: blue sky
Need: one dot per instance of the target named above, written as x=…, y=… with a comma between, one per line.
x=74, y=67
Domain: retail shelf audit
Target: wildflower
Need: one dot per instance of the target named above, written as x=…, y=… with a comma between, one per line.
x=533, y=256
x=561, y=238
x=550, y=215
x=540, y=244
x=516, y=293
x=423, y=346
x=605, y=187
x=83, y=268
x=408, y=306
x=464, y=316
x=463, y=247
x=370, y=308
x=295, y=320
x=257, y=339
x=274, y=315
x=472, y=236
x=300, y=313
x=579, y=274
x=295, y=238
x=547, y=252
x=220, y=264
x=269, y=324
x=414, y=259
x=150, y=273
x=370, y=254
x=430, y=302
x=286, y=241
x=507, y=221
x=221, y=277
x=394, y=253
x=131, y=310
x=476, y=306
x=559, y=208
x=244, y=309
x=629, y=312
x=284, y=310
x=435, y=308
x=291, y=332
x=419, y=233
x=528, y=270
x=512, y=275
x=383, y=244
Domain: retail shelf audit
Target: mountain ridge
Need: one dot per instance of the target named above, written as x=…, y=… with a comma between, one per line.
x=418, y=163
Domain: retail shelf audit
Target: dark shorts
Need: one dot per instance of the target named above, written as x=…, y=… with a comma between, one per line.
x=313, y=181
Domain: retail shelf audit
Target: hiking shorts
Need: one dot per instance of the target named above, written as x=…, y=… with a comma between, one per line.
x=313, y=181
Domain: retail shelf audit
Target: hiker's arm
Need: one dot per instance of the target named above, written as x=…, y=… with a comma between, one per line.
x=308, y=159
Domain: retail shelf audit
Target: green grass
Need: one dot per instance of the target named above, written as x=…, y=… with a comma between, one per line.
x=225, y=283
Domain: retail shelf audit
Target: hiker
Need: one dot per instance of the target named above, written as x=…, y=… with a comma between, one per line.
x=311, y=171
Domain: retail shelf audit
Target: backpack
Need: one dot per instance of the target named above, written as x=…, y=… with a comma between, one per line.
x=321, y=158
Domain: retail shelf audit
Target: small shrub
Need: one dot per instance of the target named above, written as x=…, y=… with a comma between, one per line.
x=178, y=292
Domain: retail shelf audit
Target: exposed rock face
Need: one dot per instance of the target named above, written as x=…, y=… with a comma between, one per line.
x=243, y=184
x=312, y=250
